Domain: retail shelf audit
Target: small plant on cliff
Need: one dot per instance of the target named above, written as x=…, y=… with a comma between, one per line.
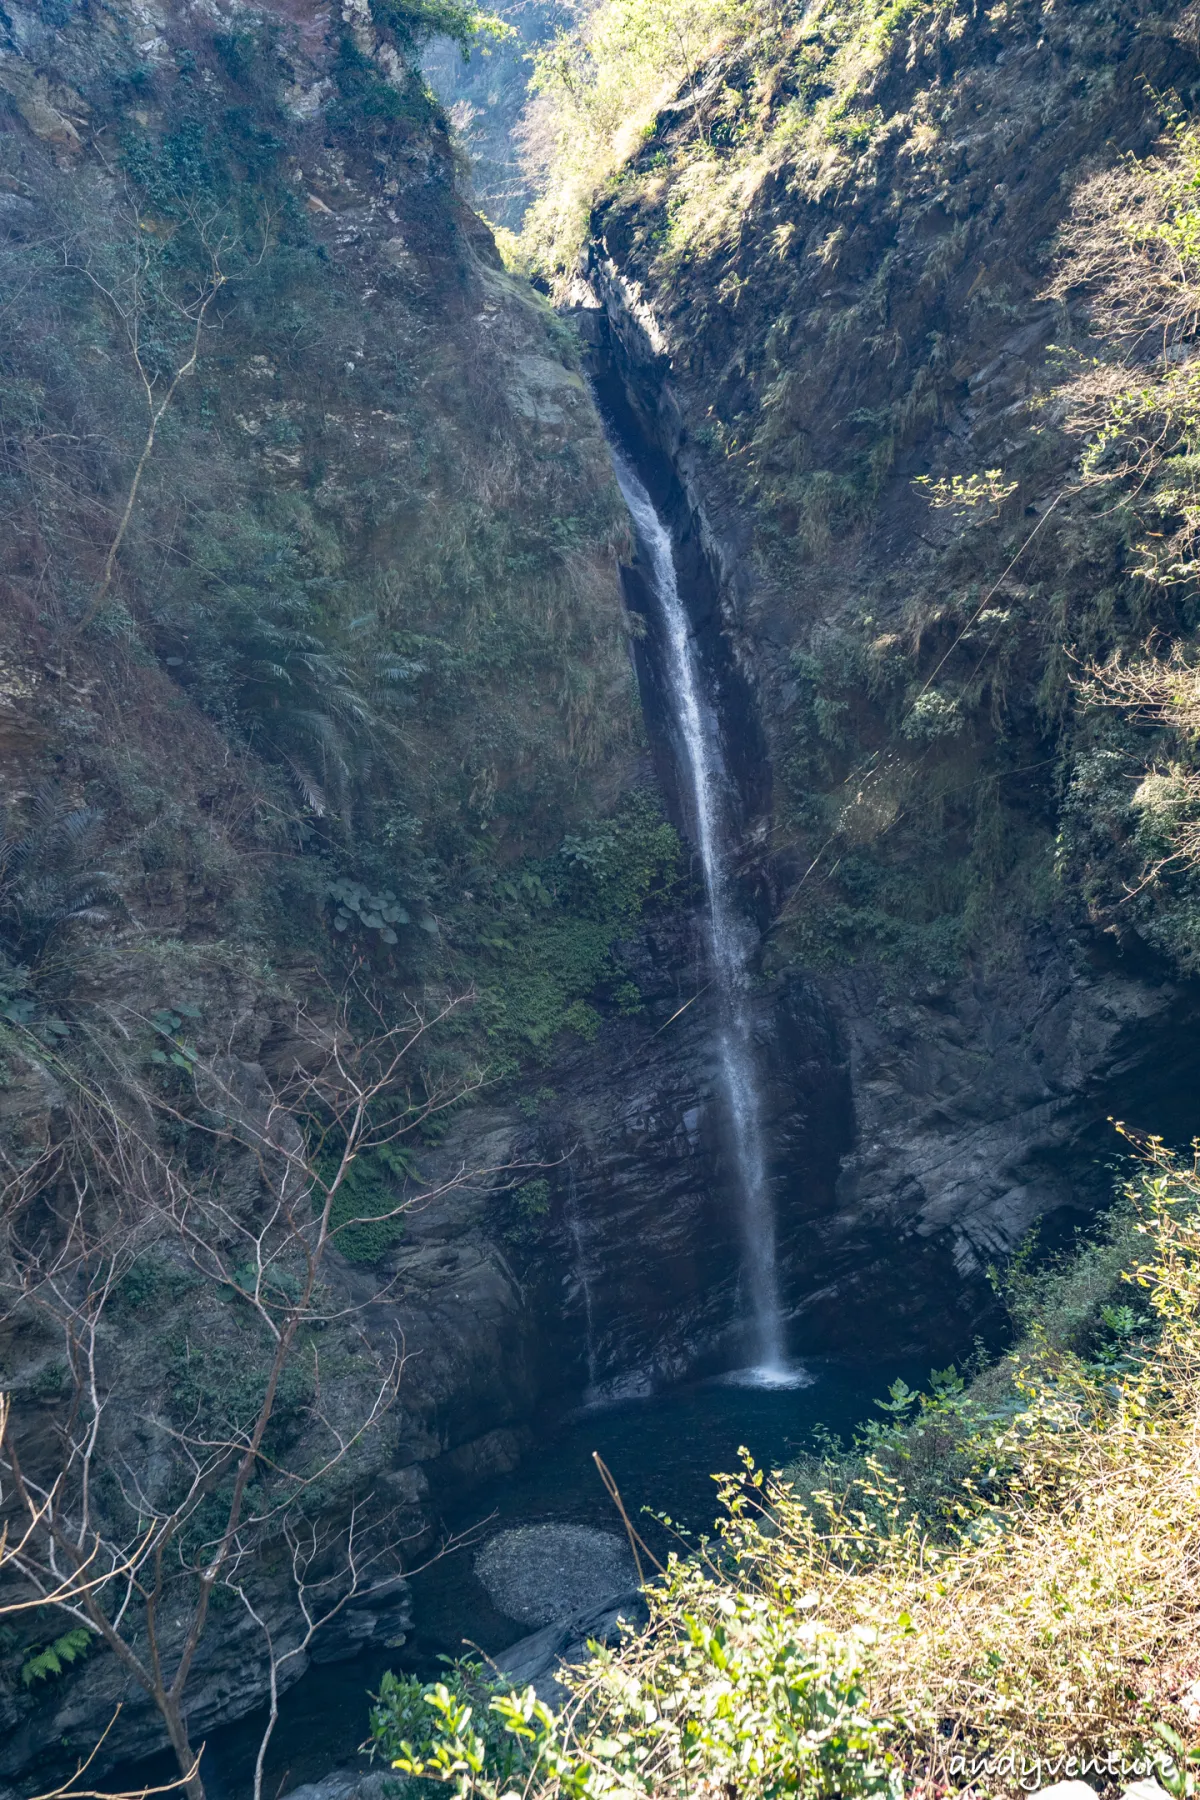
x=366, y=1218
x=48, y=877
x=380, y=912
x=967, y=494
x=54, y=1659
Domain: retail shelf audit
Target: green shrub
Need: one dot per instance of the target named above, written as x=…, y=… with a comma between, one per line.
x=149, y=1281
x=933, y=715
x=533, y=1198
x=379, y=912
x=1039, y=1603
x=540, y=944
x=363, y=1219
x=736, y=1695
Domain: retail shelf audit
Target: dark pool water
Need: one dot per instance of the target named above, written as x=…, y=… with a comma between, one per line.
x=662, y=1451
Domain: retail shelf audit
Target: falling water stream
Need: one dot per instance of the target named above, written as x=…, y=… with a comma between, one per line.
x=575, y=1229
x=729, y=937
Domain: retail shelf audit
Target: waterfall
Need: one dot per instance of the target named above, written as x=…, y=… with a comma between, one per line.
x=729, y=939
x=575, y=1231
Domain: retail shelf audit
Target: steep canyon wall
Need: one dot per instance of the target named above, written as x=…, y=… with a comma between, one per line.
x=358, y=694
x=799, y=330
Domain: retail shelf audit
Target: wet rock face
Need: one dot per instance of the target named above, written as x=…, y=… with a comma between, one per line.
x=982, y=1107
x=635, y=1271
x=914, y=1138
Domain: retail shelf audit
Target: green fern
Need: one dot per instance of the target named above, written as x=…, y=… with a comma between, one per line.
x=48, y=876
x=51, y=1661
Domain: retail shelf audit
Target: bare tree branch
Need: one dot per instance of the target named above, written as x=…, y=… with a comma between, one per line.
x=132, y=1545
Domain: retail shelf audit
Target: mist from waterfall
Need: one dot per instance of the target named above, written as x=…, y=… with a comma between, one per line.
x=730, y=940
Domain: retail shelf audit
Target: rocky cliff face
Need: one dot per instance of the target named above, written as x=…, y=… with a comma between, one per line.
x=310, y=608
x=800, y=324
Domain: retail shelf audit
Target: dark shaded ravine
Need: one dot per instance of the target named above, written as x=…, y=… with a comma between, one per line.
x=643, y=1143
x=663, y=1452
x=636, y=1284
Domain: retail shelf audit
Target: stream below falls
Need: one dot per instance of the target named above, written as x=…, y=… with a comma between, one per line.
x=662, y=1451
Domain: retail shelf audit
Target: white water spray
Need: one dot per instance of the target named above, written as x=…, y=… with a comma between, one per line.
x=709, y=783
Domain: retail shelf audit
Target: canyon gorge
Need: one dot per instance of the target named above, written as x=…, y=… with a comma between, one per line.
x=635, y=702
